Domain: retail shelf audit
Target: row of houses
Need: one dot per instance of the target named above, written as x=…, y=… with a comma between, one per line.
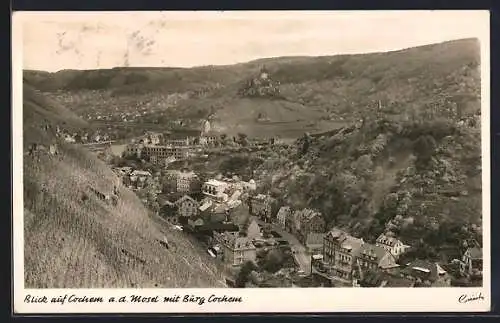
x=307, y=225
x=353, y=261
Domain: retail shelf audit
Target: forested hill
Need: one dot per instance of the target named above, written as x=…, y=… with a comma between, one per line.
x=300, y=94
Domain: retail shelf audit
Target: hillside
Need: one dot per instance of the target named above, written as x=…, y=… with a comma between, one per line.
x=315, y=93
x=74, y=239
x=417, y=176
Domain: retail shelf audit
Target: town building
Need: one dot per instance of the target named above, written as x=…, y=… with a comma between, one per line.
x=153, y=138
x=283, y=216
x=340, y=252
x=134, y=150
x=208, y=139
x=472, y=262
x=393, y=245
x=215, y=189
x=168, y=209
x=139, y=178
x=253, y=230
x=187, y=208
x=372, y=257
x=160, y=153
x=308, y=221
x=237, y=249
x=186, y=180
x=314, y=243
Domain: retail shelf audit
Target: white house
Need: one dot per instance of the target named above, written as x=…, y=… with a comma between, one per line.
x=214, y=188
x=395, y=246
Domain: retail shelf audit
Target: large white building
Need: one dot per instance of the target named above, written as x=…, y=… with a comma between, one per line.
x=160, y=153
x=214, y=188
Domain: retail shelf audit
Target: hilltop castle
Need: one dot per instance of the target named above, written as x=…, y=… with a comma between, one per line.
x=261, y=86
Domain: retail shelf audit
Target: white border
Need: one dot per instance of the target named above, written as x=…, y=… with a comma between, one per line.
x=254, y=300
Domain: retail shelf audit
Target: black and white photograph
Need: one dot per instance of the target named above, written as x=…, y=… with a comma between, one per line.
x=243, y=156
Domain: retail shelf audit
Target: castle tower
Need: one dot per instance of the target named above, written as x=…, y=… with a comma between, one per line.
x=205, y=128
x=264, y=74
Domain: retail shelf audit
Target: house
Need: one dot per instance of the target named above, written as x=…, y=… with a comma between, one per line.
x=294, y=223
x=340, y=252
x=155, y=138
x=309, y=221
x=213, y=212
x=253, y=230
x=314, y=242
x=168, y=210
x=426, y=274
x=208, y=138
x=393, y=245
x=214, y=188
x=283, y=216
x=373, y=258
x=69, y=138
x=237, y=249
x=187, y=208
x=472, y=262
x=185, y=180
x=138, y=178
x=262, y=206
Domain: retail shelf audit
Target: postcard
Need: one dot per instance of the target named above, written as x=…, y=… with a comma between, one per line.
x=251, y=161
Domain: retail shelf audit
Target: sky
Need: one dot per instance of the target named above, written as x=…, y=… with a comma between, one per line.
x=91, y=40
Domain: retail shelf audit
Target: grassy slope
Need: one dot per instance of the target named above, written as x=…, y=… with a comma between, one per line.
x=70, y=243
x=312, y=87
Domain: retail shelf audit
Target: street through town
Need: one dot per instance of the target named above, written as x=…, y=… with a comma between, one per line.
x=300, y=253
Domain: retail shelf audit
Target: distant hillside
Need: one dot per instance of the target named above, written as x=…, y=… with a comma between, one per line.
x=73, y=239
x=316, y=93
x=418, y=176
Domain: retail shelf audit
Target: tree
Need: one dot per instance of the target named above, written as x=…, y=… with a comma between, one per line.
x=425, y=147
x=363, y=166
x=273, y=261
x=243, y=139
x=244, y=273
x=305, y=143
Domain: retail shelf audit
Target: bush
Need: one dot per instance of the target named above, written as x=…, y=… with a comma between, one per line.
x=273, y=261
x=244, y=273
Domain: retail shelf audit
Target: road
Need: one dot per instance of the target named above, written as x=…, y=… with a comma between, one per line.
x=300, y=253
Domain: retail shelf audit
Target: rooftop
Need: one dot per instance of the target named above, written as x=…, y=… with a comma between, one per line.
x=374, y=251
x=476, y=253
x=346, y=241
x=387, y=240
x=424, y=270
x=215, y=182
x=234, y=240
